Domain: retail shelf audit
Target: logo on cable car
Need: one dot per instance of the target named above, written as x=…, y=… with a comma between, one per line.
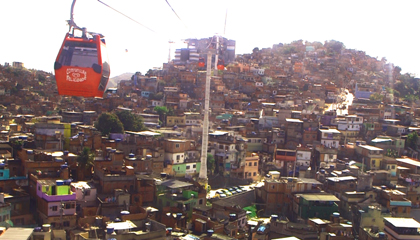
x=76, y=75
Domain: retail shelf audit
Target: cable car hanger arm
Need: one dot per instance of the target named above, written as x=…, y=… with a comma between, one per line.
x=73, y=25
x=71, y=22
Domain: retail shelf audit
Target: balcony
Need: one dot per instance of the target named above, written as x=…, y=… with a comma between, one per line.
x=58, y=198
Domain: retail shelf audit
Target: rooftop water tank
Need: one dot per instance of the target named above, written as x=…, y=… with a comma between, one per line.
x=59, y=182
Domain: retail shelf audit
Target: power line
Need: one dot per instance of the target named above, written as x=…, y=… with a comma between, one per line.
x=126, y=16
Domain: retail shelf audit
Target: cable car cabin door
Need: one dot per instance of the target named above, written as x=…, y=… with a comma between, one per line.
x=81, y=67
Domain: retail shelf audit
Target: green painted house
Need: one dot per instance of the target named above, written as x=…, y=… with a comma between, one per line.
x=180, y=194
x=182, y=169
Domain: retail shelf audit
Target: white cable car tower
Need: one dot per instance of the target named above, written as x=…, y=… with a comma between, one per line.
x=202, y=177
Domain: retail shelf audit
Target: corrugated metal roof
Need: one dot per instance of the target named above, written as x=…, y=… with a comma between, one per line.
x=319, y=197
x=370, y=148
x=340, y=179
x=16, y=233
x=409, y=161
x=403, y=222
x=173, y=183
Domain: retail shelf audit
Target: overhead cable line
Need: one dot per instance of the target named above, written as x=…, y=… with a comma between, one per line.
x=126, y=16
x=178, y=16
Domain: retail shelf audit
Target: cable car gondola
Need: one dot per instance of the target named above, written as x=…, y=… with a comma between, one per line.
x=220, y=64
x=201, y=64
x=81, y=67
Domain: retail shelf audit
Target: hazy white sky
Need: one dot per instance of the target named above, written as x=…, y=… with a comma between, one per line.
x=33, y=30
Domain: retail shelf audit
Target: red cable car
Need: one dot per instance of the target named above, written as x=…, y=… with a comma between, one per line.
x=220, y=64
x=81, y=67
x=201, y=64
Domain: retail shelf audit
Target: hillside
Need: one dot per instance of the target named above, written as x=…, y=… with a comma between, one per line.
x=113, y=82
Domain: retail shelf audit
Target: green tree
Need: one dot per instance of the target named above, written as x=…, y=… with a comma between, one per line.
x=131, y=121
x=392, y=153
x=211, y=164
x=85, y=163
x=412, y=140
x=171, y=112
x=156, y=96
x=109, y=123
x=41, y=78
x=411, y=98
x=288, y=49
x=85, y=158
x=334, y=46
x=376, y=97
x=149, y=72
x=162, y=111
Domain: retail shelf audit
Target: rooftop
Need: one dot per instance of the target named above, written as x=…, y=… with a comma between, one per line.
x=218, y=133
x=329, y=130
x=121, y=225
x=370, y=148
x=403, y=222
x=173, y=183
x=17, y=233
x=340, y=179
x=81, y=185
x=319, y=197
x=409, y=161
x=294, y=120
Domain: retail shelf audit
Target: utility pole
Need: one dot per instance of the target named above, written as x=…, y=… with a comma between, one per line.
x=202, y=177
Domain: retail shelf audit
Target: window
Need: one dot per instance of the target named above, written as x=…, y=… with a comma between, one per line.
x=79, y=54
x=54, y=208
x=188, y=167
x=250, y=164
x=178, y=157
x=177, y=145
x=1, y=174
x=69, y=205
x=374, y=162
x=255, y=174
x=393, y=167
x=200, y=201
x=66, y=223
x=194, y=166
x=255, y=163
x=18, y=206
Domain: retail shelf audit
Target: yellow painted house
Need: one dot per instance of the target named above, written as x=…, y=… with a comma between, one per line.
x=175, y=120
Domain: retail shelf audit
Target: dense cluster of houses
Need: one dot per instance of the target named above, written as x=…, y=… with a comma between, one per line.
x=294, y=124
